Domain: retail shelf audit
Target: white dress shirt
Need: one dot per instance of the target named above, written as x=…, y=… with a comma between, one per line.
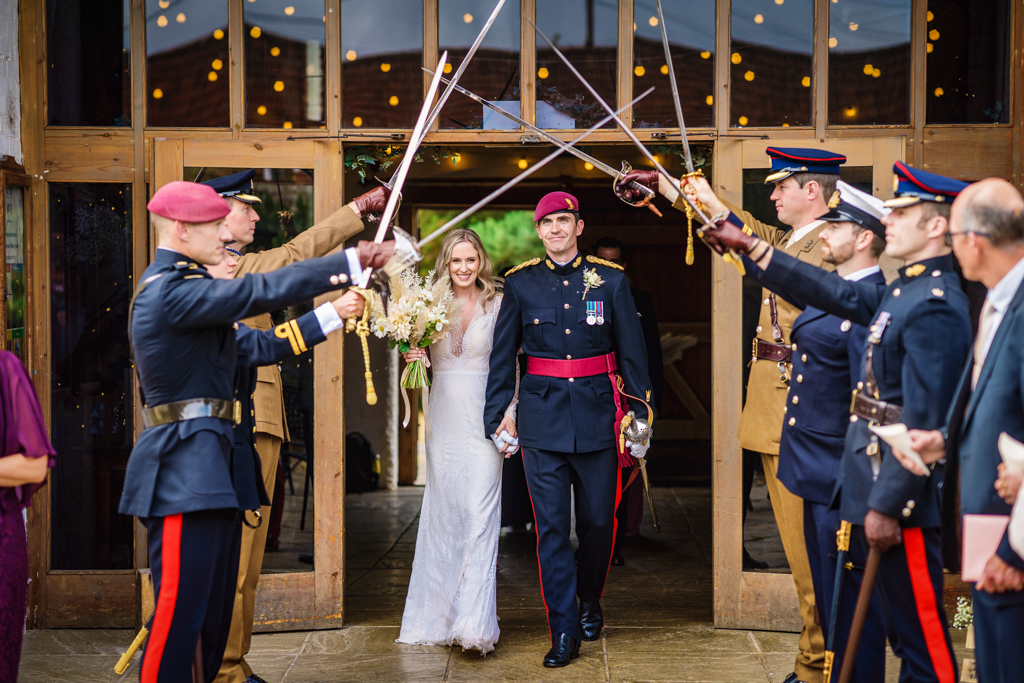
x=862, y=273
x=799, y=233
x=999, y=297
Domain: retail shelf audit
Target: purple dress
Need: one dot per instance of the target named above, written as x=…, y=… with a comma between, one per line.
x=22, y=430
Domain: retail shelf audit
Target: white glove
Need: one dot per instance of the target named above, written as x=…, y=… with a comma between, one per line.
x=511, y=445
x=639, y=450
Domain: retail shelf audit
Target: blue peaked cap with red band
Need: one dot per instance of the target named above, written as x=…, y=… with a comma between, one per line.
x=912, y=186
x=789, y=160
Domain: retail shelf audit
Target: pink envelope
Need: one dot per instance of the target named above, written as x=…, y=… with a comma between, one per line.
x=981, y=537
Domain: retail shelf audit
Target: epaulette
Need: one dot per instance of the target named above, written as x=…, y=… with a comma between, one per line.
x=185, y=265
x=524, y=264
x=601, y=261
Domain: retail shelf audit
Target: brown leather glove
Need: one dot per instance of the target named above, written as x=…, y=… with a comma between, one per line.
x=373, y=255
x=648, y=179
x=373, y=201
x=723, y=236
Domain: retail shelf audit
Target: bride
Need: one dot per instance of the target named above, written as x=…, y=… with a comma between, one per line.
x=452, y=591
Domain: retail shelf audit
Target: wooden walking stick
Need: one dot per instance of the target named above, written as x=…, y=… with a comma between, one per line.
x=860, y=614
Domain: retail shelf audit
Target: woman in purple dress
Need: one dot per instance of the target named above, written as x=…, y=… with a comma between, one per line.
x=25, y=457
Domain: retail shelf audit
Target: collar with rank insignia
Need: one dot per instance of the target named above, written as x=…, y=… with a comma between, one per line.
x=595, y=313
x=915, y=270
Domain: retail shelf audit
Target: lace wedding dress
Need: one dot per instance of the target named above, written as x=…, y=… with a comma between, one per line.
x=452, y=596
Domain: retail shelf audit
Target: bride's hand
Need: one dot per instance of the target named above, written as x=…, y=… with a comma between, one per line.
x=414, y=355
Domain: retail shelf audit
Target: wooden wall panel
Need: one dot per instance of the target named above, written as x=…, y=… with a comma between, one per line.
x=250, y=153
x=90, y=600
x=969, y=153
x=90, y=155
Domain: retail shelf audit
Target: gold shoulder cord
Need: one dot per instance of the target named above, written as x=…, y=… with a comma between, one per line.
x=362, y=330
x=690, y=215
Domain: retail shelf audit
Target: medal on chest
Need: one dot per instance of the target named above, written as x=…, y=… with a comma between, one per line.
x=595, y=313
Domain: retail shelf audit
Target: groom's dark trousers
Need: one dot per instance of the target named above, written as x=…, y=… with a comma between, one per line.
x=594, y=477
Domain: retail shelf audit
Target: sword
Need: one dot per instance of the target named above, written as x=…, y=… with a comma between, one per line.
x=675, y=89
x=860, y=614
x=842, y=548
x=522, y=176
x=642, y=464
x=697, y=209
x=555, y=140
x=403, y=169
x=123, y=663
x=414, y=140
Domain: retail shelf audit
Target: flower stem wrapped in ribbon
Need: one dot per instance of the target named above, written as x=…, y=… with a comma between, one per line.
x=417, y=315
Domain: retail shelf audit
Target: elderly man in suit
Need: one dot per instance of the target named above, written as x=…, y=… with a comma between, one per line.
x=271, y=425
x=804, y=180
x=987, y=230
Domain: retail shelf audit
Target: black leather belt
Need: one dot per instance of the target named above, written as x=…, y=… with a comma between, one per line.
x=873, y=409
x=192, y=409
x=779, y=353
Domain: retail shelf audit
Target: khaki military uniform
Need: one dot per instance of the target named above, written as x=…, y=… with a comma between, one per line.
x=271, y=429
x=761, y=430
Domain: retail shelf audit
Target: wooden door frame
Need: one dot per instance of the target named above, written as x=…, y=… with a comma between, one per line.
x=756, y=600
x=314, y=599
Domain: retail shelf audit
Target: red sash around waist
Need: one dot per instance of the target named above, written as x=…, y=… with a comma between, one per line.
x=577, y=367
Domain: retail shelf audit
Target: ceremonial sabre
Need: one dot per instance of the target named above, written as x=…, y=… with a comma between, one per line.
x=522, y=176
x=698, y=211
x=403, y=168
x=842, y=548
x=417, y=139
x=867, y=586
x=555, y=140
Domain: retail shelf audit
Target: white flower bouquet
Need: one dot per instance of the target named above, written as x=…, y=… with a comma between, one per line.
x=417, y=315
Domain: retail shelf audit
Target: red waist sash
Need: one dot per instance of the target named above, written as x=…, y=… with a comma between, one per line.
x=587, y=367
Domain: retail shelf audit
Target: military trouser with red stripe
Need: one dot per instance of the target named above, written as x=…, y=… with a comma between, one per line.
x=194, y=560
x=594, y=480
x=909, y=589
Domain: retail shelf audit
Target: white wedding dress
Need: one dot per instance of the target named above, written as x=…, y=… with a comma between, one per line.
x=452, y=596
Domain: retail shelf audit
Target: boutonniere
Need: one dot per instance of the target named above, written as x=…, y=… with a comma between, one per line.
x=591, y=280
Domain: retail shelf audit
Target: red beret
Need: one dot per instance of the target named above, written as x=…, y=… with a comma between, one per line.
x=555, y=202
x=188, y=202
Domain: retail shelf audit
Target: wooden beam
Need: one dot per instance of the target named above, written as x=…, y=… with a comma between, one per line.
x=625, y=56
x=332, y=57
x=329, y=436
x=249, y=153
x=74, y=154
x=1017, y=92
x=723, y=55
x=528, y=59
x=32, y=63
x=820, y=49
x=168, y=165
x=686, y=395
x=431, y=50
x=968, y=153
x=727, y=479
x=236, y=72
x=918, y=78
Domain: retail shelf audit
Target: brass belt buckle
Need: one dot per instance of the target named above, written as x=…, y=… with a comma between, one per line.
x=872, y=449
x=236, y=417
x=783, y=372
x=853, y=401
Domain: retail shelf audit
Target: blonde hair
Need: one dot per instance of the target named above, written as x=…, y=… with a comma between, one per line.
x=485, y=278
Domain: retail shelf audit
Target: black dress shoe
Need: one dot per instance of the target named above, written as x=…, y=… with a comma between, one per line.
x=591, y=619
x=565, y=649
x=617, y=559
x=750, y=563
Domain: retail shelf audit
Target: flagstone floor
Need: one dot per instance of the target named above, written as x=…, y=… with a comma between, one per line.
x=658, y=609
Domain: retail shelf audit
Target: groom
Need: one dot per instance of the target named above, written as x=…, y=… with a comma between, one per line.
x=575, y=319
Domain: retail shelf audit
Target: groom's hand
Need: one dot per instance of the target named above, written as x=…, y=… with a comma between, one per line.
x=508, y=426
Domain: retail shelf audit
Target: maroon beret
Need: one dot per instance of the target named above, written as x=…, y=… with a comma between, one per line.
x=188, y=202
x=555, y=202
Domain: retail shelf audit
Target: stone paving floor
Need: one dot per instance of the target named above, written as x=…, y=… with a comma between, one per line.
x=658, y=609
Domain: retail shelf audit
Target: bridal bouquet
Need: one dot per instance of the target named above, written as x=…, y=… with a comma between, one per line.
x=417, y=315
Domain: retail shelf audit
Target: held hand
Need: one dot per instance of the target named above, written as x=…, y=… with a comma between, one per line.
x=928, y=444
x=504, y=439
x=373, y=201
x=999, y=577
x=648, y=179
x=349, y=305
x=1008, y=483
x=414, y=355
x=882, y=531
x=508, y=424
x=373, y=255
x=698, y=187
x=724, y=236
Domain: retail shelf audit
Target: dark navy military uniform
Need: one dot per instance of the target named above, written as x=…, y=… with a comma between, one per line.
x=923, y=332
x=976, y=419
x=567, y=425
x=179, y=478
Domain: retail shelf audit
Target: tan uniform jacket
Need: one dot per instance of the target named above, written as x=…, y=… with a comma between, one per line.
x=761, y=421
x=319, y=240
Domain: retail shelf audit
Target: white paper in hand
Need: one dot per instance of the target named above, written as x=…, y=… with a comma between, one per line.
x=897, y=436
x=1012, y=452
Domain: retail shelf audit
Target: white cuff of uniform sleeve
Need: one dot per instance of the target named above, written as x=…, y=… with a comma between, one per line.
x=328, y=318
x=667, y=189
x=355, y=270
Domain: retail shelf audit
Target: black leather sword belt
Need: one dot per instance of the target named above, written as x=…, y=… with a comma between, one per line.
x=779, y=353
x=192, y=409
x=873, y=409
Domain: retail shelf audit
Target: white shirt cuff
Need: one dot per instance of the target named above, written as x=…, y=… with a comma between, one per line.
x=355, y=270
x=328, y=318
